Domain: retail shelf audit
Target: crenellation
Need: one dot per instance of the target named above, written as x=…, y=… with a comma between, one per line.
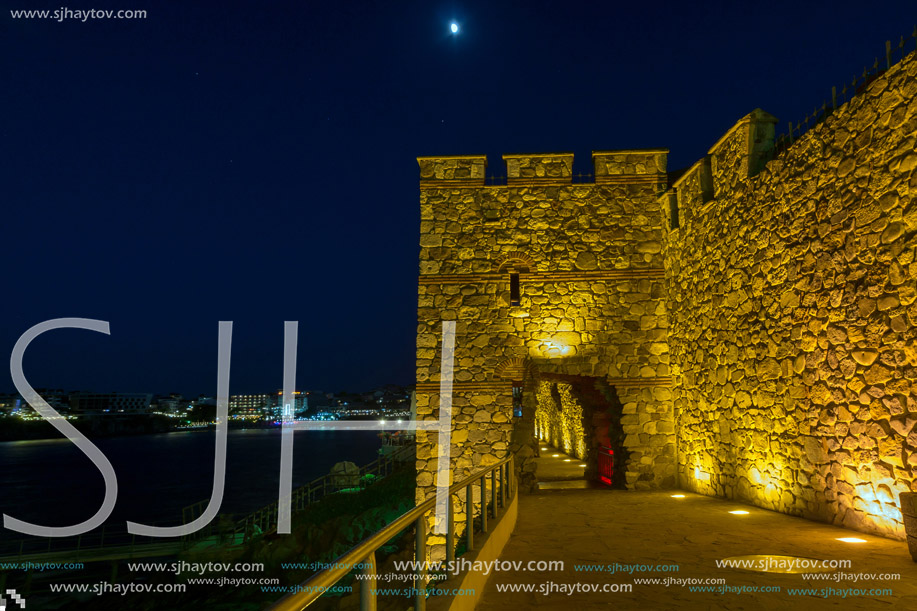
x=668, y=204
x=467, y=168
x=741, y=152
x=694, y=188
x=647, y=163
x=551, y=168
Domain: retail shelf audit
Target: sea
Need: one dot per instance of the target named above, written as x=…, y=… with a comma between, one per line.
x=52, y=483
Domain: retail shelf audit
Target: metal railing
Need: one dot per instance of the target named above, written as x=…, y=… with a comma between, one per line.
x=116, y=539
x=501, y=181
x=502, y=491
x=893, y=55
x=264, y=520
x=112, y=537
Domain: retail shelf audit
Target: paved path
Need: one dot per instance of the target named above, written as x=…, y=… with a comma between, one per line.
x=555, y=465
x=604, y=527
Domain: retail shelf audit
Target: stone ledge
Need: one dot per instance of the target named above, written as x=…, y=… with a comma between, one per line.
x=632, y=179
x=538, y=182
x=462, y=183
x=585, y=276
x=469, y=386
x=639, y=382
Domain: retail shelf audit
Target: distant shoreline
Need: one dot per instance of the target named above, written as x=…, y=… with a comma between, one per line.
x=35, y=430
x=14, y=429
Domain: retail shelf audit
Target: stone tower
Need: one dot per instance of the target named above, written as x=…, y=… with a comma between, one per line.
x=557, y=290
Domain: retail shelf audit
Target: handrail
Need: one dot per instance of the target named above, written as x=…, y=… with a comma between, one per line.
x=106, y=536
x=364, y=552
x=300, y=498
x=111, y=536
x=383, y=463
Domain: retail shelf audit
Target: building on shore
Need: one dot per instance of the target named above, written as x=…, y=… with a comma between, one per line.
x=112, y=403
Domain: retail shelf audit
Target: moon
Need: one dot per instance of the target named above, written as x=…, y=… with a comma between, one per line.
x=454, y=27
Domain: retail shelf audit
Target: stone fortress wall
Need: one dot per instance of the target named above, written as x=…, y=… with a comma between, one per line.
x=791, y=289
x=753, y=316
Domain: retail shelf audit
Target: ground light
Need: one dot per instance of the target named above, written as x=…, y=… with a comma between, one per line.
x=678, y=496
x=739, y=512
x=555, y=455
x=568, y=460
x=851, y=540
x=582, y=465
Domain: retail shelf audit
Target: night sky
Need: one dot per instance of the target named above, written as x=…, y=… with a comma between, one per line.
x=255, y=162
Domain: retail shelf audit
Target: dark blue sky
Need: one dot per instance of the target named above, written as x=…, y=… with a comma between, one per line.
x=255, y=162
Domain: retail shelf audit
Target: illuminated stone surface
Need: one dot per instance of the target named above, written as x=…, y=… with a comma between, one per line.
x=791, y=299
x=768, y=334
x=591, y=305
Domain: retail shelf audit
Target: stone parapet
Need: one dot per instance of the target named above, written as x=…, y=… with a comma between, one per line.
x=638, y=165
x=694, y=188
x=541, y=169
x=742, y=151
x=668, y=204
x=460, y=170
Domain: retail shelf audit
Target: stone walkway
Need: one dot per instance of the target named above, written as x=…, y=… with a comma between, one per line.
x=603, y=527
x=554, y=465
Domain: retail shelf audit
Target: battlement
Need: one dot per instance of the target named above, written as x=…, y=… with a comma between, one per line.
x=625, y=165
x=694, y=188
x=613, y=166
x=739, y=154
x=742, y=151
x=546, y=168
x=467, y=170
